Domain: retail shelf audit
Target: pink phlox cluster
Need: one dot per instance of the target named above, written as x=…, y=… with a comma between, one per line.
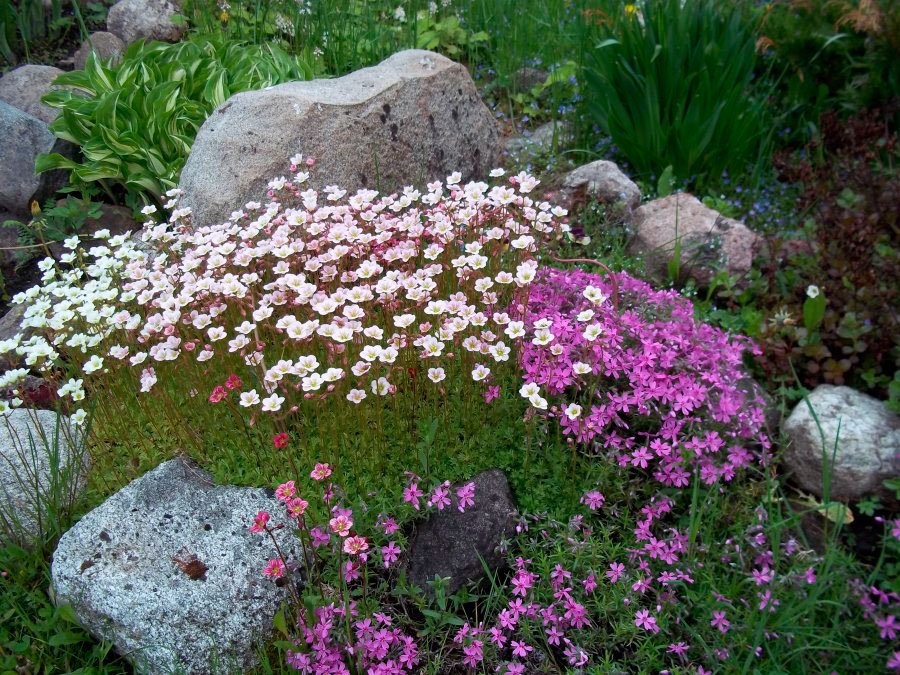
x=378, y=648
x=659, y=390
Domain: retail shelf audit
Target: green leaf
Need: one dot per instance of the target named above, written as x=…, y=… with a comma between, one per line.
x=51, y=161
x=280, y=623
x=65, y=637
x=666, y=183
x=813, y=311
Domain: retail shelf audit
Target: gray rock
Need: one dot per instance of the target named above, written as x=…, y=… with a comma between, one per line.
x=124, y=568
x=709, y=240
x=24, y=138
x=602, y=181
x=151, y=19
x=39, y=466
x=525, y=78
x=540, y=140
x=452, y=544
x=414, y=117
x=10, y=326
x=107, y=46
x=868, y=443
x=23, y=87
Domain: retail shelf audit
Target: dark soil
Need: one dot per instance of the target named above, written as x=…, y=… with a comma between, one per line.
x=17, y=280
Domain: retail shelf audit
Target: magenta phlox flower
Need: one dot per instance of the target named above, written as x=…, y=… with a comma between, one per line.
x=720, y=622
x=440, y=496
x=390, y=553
x=643, y=619
x=411, y=495
x=615, y=571
x=888, y=626
x=465, y=497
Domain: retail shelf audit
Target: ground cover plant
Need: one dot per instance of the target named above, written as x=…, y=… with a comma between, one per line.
x=628, y=407
x=366, y=355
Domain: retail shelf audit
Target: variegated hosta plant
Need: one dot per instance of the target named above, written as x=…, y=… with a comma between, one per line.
x=135, y=123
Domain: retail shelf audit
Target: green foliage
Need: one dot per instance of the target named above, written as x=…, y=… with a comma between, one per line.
x=36, y=636
x=26, y=22
x=830, y=54
x=813, y=310
x=670, y=82
x=135, y=123
x=446, y=35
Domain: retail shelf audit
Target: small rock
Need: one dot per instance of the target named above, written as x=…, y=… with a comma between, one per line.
x=868, y=444
x=23, y=87
x=107, y=46
x=35, y=392
x=116, y=219
x=602, y=181
x=452, y=544
x=414, y=117
x=24, y=138
x=38, y=466
x=131, y=20
x=10, y=326
x=168, y=571
x=526, y=78
x=540, y=140
x=709, y=240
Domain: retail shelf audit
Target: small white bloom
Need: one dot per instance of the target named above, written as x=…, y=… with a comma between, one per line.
x=436, y=374
x=93, y=364
x=592, y=332
x=812, y=291
x=249, y=398
x=538, y=402
x=356, y=395
x=573, y=411
x=272, y=403
x=529, y=390
x=581, y=368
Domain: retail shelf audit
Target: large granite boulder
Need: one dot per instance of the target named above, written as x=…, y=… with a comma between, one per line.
x=23, y=87
x=867, y=450
x=709, y=241
x=24, y=138
x=107, y=46
x=43, y=467
x=453, y=544
x=168, y=571
x=414, y=117
x=131, y=20
x=601, y=181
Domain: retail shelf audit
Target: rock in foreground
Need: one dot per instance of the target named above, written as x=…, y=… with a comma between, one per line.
x=412, y=118
x=168, y=571
x=868, y=443
x=453, y=544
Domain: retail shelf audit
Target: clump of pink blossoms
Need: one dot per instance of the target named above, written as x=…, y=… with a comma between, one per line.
x=649, y=384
